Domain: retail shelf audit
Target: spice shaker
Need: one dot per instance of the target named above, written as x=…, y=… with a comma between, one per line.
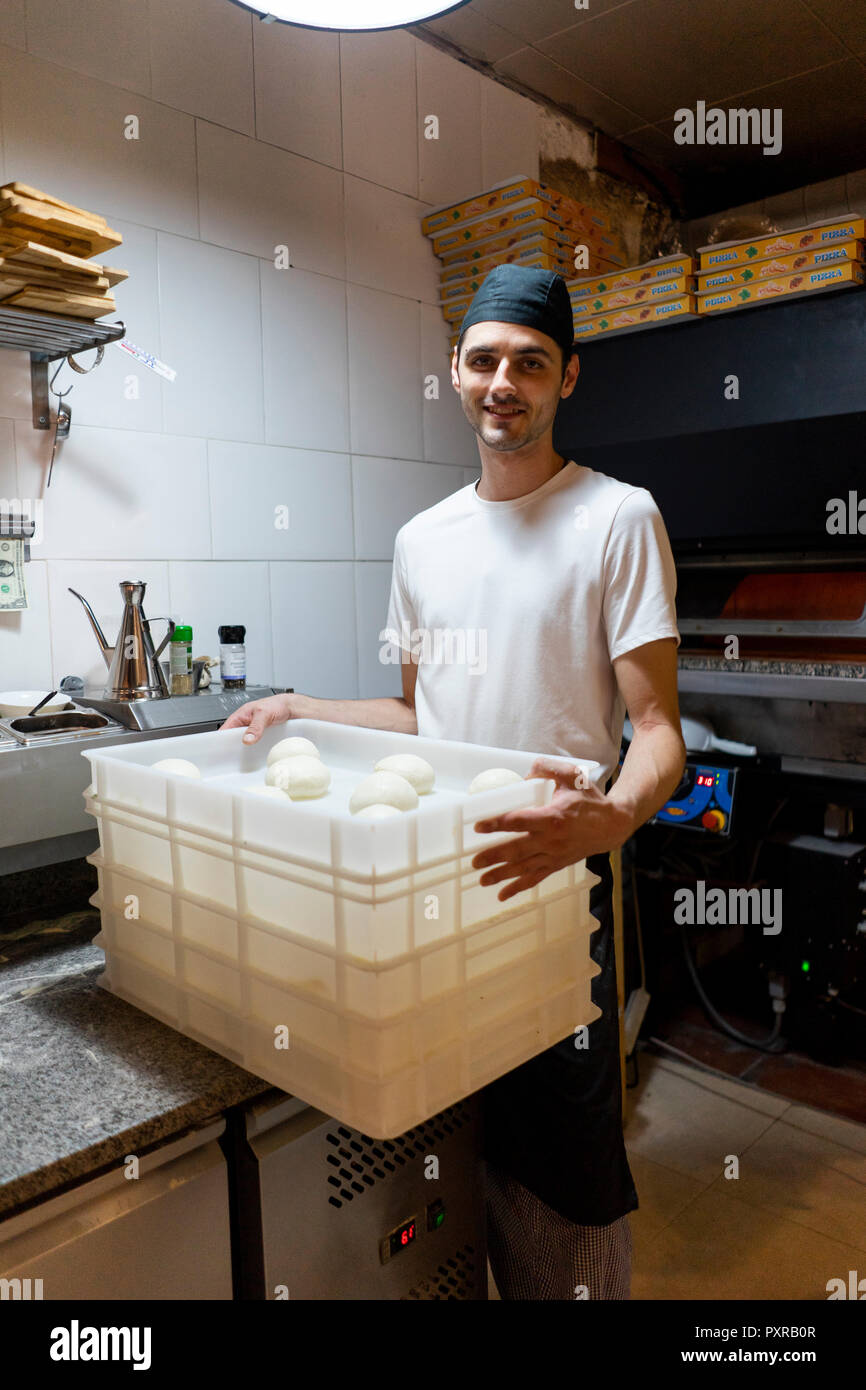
x=180, y=660
x=233, y=657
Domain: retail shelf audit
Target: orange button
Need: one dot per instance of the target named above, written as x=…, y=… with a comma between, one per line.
x=713, y=820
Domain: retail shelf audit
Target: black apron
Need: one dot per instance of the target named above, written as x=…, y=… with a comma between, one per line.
x=555, y=1123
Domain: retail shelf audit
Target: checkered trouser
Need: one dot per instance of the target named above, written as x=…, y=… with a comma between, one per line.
x=536, y=1253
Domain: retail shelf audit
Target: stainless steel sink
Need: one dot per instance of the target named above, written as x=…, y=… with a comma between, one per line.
x=44, y=773
x=63, y=726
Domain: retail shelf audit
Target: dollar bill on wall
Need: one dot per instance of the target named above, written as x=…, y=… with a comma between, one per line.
x=13, y=594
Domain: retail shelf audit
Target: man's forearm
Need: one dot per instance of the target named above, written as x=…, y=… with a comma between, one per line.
x=388, y=712
x=651, y=771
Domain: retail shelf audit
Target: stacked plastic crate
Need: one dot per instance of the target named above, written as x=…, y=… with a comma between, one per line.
x=357, y=964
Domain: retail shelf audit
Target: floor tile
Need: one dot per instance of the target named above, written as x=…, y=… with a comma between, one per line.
x=662, y=1194
x=751, y=1096
x=723, y=1248
x=682, y=1123
x=806, y=1179
x=793, y=1075
x=844, y=1132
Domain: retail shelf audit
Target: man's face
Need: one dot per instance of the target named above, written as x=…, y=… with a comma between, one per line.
x=510, y=383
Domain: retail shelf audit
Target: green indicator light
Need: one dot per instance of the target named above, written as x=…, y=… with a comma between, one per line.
x=439, y=1218
x=805, y=967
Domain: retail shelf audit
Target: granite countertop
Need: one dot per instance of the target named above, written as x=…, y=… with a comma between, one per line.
x=85, y=1078
x=767, y=666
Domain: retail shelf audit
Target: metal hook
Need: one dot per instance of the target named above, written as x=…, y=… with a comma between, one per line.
x=59, y=394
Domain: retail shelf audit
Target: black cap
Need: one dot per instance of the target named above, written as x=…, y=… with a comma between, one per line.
x=231, y=636
x=520, y=294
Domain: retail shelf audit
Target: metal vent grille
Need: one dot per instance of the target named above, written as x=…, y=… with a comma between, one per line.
x=453, y=1279
x=357, y=1162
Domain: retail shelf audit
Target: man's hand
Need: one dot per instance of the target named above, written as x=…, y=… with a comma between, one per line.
x=258, y=715
x=579, y=821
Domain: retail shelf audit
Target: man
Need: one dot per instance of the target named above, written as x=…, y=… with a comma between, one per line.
x=568, y=576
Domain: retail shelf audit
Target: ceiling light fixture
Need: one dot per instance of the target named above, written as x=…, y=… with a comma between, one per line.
x=350, y=14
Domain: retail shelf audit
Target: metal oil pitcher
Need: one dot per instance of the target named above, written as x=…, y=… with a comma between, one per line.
x=134, y=672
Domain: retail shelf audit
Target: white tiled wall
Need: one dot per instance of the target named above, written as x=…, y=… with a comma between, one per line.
x=68, y=135
x=298, y=91
x=449, y=107
x=378, y=90
x=201, y=60
x=12, y=29
x=64, y=34
x=312, y=413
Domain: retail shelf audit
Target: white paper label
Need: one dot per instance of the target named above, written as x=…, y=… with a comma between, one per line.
x=233, y=662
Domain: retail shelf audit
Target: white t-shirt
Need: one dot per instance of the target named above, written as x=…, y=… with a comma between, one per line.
x=518, y=609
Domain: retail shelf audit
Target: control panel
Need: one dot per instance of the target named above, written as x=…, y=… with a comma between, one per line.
x=703, y=800
x=407, y=1232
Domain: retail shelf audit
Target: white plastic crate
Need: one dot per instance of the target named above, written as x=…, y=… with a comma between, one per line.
x=358, y=1045
x=212, y=951
x=397, y=975
x=386, y=1104
x=370, y=920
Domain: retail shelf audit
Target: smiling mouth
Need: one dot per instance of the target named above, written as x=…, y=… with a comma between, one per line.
x=503, y=412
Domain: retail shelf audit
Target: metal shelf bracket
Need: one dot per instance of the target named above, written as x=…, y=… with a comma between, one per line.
x=48, y=337
x=39, y=391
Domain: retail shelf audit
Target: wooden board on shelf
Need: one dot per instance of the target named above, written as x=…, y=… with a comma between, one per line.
x=25, y=190
x=17, y=277
x=66, y=302
x=73, y=246
x=31, y=253
x=53, y=226
x=112, y=274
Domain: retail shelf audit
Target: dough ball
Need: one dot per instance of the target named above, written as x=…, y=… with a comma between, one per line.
x=268, y=791
x=493, y=777
x=378, y=810
x=416, y=770
x=301, y=777
x=383, y=788
x=292, y=748
x=181, y=767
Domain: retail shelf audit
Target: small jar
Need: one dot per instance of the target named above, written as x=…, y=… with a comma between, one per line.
x=233, y=658
x=180, y=661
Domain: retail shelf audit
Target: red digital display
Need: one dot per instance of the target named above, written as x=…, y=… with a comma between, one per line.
x=705, y=779
x=403, y=1236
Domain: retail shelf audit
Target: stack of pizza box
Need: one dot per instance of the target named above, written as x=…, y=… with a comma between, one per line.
x=519, y=222
x=826, y=255
x=641, y=296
